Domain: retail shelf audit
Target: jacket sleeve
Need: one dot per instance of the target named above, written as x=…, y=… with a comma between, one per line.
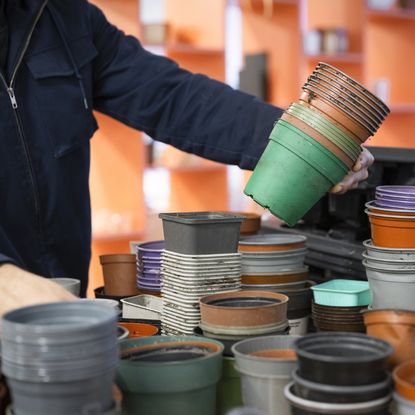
x=189, y=111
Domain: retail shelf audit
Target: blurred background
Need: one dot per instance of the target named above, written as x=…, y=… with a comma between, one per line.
x=264, y=47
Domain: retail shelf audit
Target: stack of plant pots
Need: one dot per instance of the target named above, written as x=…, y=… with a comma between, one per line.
x=404, y=396
x=275, y=262
x=340, y=373
x=60, y=358
x=265, y=365
x=149, y=266
x=390, y=255
x=338, y=305
x=169, y=375
x=315, y=143
x=200, y=258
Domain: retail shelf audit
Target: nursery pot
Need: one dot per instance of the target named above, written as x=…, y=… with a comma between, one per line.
x=120, y=274
x=244, y=309
x=395, y=254
x=268, y=243
x=299, y=275
x=404, y=406
x=265, y=365
x=342, y=359
x=397, y=327
x=229, y=388
x=169, y=375
x=70, y=284
x=304, y=170
x=139, y=329
x=404, y=378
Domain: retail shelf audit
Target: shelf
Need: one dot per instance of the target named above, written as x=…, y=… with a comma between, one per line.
x=341, y=57
x=393, y=14
x=402, y=108
x=183, y=49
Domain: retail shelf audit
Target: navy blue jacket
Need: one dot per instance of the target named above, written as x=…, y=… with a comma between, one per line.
x=65, y=60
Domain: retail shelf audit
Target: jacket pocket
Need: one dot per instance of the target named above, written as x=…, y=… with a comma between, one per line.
x=60, y=95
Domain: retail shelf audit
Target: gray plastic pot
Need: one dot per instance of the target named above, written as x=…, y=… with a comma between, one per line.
x=404, y=407
x=300, y=406
x=396, y=254
x=88, y=397
x=170, y=382
x=263, y=379
x=391, y=289
x=389, y=264
x=70, y=284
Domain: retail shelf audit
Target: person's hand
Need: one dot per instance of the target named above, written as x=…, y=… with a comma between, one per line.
x=358, y=173
x=19, y=288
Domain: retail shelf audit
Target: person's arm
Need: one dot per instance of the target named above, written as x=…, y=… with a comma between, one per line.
x=20, y=288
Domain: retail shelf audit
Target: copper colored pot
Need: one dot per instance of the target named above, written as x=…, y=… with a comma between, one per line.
x=340, y=154
x=396, y=327
x=120, y=274
x=404, y=377
x=281, y=278
x=244, y=309
x=251, y=224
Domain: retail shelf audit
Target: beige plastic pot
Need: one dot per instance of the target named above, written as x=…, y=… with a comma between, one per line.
x=120, y=274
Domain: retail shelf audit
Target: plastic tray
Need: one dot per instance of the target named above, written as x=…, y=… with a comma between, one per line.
x=146, y=307
x=342, y=293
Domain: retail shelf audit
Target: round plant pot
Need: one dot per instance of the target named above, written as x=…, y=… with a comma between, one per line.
x=404, y=377
x=336, y=326
x=120, y=274
x=169, y=375
x=342, y=359
x=391, y=289
x=244, y=309
x=299, y=275
x=70, y=284
x=139, y=329
x=122, y=333
x=251, y=223
x=305, y=171
x=320, y=392
x=229, y=388
x=389, y=264
x=265, y=365
x=404, y=406
x=271, y=243
x=397, y=327
x=300, y=406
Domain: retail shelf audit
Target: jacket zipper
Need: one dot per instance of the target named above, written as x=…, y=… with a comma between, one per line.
x=13, y=100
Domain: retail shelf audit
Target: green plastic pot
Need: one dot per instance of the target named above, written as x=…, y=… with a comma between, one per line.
x=229, y=394
x=326, y=128
x=293, y=173
x=169, y=387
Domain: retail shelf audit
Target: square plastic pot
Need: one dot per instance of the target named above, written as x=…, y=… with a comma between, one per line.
x=145, y=307
x=201, y=233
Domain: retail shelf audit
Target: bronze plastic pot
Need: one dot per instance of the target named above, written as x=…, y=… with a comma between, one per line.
x=396, y=327
x=244, y=309
x=251, y=224
x=120, y=274
x=329, y=110
x=404, y=378
x=278, y=278
x=320, y=138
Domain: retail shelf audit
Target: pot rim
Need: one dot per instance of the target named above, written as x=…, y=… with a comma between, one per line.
x=397, y=316
x=268, y=239
x=403, y=262
x=368, y=244
x=117, y=258
x=332, y=408
x=401, y=400
x=383, y=354
x=372, y=205
x=380, y=215
x=388, y=270
x=402, y=381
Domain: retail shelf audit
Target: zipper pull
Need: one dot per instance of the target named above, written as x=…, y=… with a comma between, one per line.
x=12, y=97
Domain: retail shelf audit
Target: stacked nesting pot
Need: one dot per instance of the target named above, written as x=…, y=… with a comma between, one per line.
x=390, y=255
x=340, y=373
x=315, y=143
x=338, y=305
x=404, y=396
x=275, y=262
x=149, y=266
x=61, y=358
x=200, y=258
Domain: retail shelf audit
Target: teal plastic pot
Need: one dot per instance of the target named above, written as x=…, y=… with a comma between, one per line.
x=293, y=173
x=173, y=375
x=229, y=394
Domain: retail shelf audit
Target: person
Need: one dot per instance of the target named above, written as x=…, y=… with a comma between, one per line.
x=60, y=60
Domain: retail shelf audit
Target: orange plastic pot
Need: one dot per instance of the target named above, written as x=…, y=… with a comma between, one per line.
x=120, y=274
x=320, y=138
x=275, y=279
x=397, y=327
x=251, y=224
x=390, y=231
x=404, y=377
x=140, y=329
x=352, y=127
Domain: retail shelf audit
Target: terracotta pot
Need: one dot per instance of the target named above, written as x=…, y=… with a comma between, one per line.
x=334, y=114
x=390, y=231
x=244, y=309
x=281, y=278
x=320, y=138
x=120, y=274
x=396, y=327
x=139, y=329
x=404, y=377
x=251, y=224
